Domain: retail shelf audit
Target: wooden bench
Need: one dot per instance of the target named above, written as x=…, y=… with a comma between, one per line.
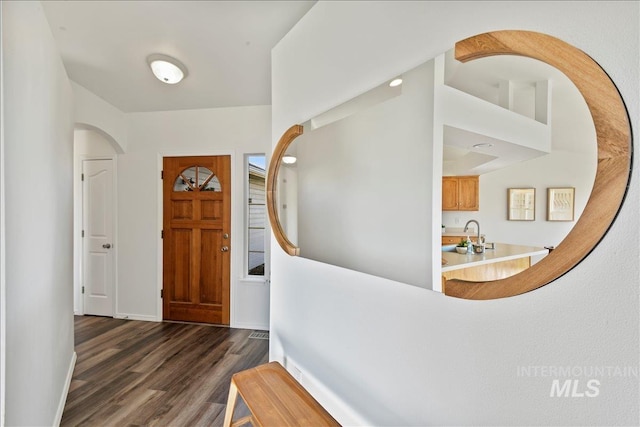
x=275, y=399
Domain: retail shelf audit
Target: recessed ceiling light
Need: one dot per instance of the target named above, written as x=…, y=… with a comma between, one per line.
x=167, y=69
x=395, y=82
x=289, y=159
x=483, y=145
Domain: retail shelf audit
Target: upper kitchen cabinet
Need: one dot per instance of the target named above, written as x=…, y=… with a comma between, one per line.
x=460, y=193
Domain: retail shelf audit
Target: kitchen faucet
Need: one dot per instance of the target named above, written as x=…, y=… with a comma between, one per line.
x=466, y=227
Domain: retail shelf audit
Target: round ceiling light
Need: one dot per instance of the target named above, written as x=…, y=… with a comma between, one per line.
x=167, y=69
x=289, y=159
x=395, y=82
x=483, y=145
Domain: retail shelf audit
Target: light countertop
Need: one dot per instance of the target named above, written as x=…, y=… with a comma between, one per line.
x=502, y=252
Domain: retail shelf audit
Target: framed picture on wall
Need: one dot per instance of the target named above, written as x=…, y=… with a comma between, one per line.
x=521, y=205
x=560, y=204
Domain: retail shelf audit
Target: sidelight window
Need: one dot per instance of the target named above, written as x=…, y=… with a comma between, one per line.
x=257, y=215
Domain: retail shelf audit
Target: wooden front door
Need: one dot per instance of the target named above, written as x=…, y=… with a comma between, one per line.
x=197, y=238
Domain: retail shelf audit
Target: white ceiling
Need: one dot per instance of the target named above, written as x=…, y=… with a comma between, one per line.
x=225, y=45
x=481, y=78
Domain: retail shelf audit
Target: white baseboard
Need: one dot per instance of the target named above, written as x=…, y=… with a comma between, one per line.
x=147, y=318
x=240, y=325
x=344, y=414
x=65, y=391
x=143, y=317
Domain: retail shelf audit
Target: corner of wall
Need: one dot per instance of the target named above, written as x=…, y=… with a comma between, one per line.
x=2, y=234
x=65, y=391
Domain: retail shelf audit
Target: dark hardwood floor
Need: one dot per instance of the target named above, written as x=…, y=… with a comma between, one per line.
x=130, y=372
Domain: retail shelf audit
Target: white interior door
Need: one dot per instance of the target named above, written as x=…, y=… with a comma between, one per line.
x=97, y=220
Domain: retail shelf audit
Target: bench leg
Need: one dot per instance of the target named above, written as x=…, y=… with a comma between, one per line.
x=231, y=404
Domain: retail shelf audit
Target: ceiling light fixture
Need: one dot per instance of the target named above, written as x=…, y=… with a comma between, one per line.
x=395, y=82
x=167, y=69
x=289, y=159
x=483, y=145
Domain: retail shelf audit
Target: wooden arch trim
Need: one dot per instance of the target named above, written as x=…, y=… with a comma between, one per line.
x=613, y=133
x=272, y=182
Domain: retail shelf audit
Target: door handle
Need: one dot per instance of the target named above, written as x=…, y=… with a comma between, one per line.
x=225, y=249
x=106, y=245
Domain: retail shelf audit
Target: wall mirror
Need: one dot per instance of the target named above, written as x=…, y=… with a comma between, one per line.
x=361, y=192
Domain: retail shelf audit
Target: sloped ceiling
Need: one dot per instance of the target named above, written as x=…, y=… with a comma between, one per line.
x=226, y=46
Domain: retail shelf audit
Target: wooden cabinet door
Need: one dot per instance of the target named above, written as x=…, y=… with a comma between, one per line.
x=197, y=219
x=468, y=195
x=449, y=193
x=460, y=193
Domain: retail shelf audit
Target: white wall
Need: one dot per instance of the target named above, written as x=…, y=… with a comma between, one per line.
x=379, y=353
x=354, y=205
x=234, y=131
x=3, y=283
x=95, y=113
x=287, y=197
x=37, y=164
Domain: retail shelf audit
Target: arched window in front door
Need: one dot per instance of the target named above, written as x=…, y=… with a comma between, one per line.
x=197, y=178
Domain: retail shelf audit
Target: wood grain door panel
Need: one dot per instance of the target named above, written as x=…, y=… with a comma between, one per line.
x=468, y=194
x=210, y=283
x=449, y=194
x=181, y=265
x=197, y=211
